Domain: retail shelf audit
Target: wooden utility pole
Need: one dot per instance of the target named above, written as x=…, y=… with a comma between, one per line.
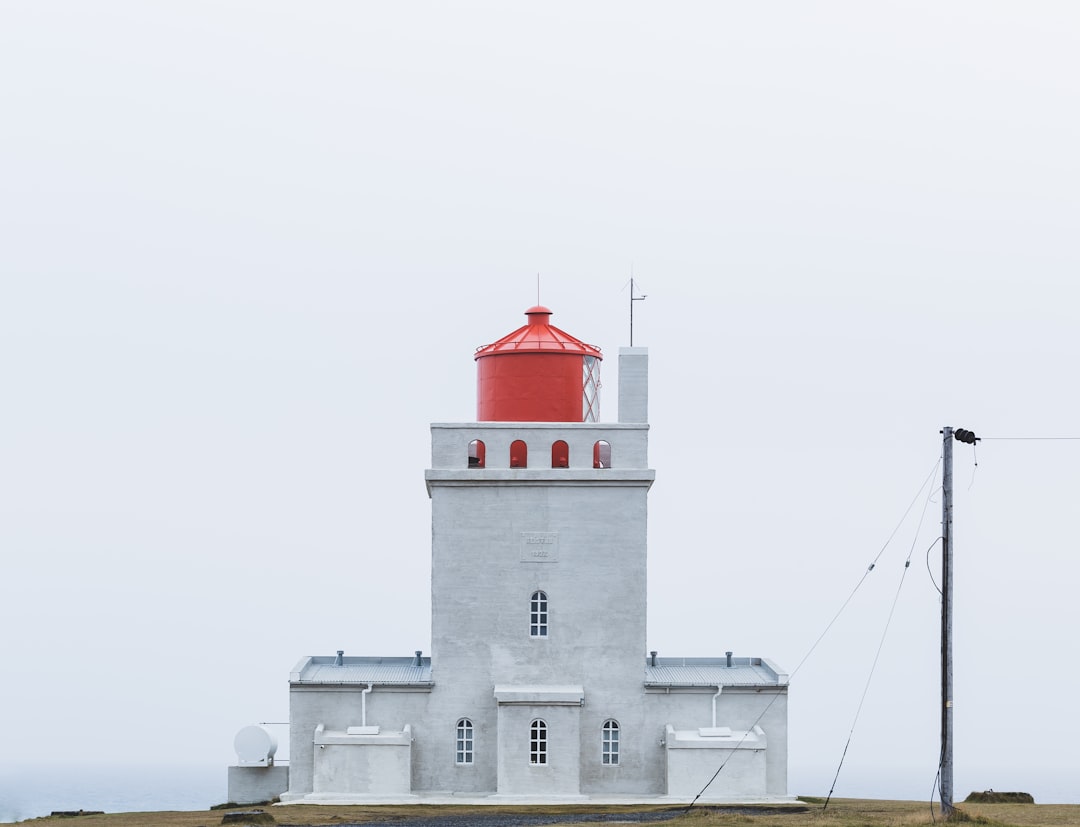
x=946, y=783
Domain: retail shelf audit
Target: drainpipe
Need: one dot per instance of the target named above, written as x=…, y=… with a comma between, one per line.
x=363, y=704
x=719, y=689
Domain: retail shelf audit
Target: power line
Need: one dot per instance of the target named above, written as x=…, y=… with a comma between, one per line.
x=873, y=563
x=881, y=644
x=1030, y=438
x=870, y=568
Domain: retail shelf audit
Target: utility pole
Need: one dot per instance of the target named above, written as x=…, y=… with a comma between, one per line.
x=946, y=788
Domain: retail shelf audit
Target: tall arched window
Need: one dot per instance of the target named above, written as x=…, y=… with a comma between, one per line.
x=601, y=454
x=464, y=751
x=537, y=742
x=538, y=615
x=560, y=454
x=609, y=743
x=519, y=454
x=477, y=452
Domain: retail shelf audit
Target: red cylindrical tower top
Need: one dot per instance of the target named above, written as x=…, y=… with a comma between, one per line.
x=538, y=373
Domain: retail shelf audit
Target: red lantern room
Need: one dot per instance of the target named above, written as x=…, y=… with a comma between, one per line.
x=538, y=373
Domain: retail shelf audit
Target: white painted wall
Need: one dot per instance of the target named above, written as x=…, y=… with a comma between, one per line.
x=692, y=764
x=254, y=785
x=578, y=534
x=363, y=764
x=561, y=775
x=739, y=708
x=339, y=707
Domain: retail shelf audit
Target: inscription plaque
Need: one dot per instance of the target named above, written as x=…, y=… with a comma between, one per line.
x=539, y=546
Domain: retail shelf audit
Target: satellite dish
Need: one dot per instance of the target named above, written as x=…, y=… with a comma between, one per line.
x=255, y=747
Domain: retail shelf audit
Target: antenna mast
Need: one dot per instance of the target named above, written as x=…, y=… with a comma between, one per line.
x=632, y=300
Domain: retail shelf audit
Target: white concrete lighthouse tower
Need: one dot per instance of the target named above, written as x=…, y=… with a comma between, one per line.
x=538, y=687
x=538, y=567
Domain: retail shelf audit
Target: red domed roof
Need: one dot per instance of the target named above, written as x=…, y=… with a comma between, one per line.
x=538, y=373
x=538, y=336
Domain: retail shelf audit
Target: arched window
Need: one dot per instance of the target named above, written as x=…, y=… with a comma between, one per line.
x=601, y=454
x=519, y=454
x=464, y=751
x=537, y=742
x=560, y=454
x=538, y=615
x=609, y=743
x=477, y=452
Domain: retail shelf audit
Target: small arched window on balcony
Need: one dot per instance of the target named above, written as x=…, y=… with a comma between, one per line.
x=601, y=454
x=519, y=454
x=476, y=454
x=560, y=454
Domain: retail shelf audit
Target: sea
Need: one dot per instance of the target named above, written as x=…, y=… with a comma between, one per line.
x=33, y=791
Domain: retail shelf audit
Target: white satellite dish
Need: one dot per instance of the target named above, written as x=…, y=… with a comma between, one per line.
x=255, y=747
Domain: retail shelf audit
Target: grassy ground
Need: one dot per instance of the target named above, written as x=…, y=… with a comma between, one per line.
x=841, y=813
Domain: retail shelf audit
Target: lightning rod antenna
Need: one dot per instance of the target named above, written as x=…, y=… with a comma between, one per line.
x=633, y=299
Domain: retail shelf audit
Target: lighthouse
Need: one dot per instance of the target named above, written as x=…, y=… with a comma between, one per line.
x=539, y=567
x=540, y=686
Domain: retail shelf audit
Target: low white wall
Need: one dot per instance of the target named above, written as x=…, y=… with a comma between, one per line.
x=363, y=764
x=254, y=785
x=738, y=708
x=692, y=761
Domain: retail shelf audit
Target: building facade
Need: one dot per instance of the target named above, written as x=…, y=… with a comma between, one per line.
x=539, y=686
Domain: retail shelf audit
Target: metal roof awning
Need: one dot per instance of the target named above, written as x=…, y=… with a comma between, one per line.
x=540, y=695
x=712, y=672
x=362, y=671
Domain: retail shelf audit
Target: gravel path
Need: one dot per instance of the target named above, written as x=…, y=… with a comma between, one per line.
x=525, y=820
x=521, y=820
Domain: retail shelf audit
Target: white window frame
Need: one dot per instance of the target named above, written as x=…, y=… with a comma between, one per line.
x=538, y=614
x=609, y=743
x=538, y=743
x=464, y=753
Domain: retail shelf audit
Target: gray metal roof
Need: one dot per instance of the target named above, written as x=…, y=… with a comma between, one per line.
x=686, y=672
x=713, y=672
x=361, y=670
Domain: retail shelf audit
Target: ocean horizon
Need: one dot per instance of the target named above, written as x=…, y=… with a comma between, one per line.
x=34, y=791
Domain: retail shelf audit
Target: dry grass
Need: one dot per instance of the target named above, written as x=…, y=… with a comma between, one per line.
x=1022, y=815
x=841, y=813
x=313, y=815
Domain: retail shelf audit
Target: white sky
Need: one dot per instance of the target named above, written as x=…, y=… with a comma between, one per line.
x=247, y=250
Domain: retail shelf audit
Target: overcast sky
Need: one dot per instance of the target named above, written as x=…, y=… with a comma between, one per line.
x=247, y=251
